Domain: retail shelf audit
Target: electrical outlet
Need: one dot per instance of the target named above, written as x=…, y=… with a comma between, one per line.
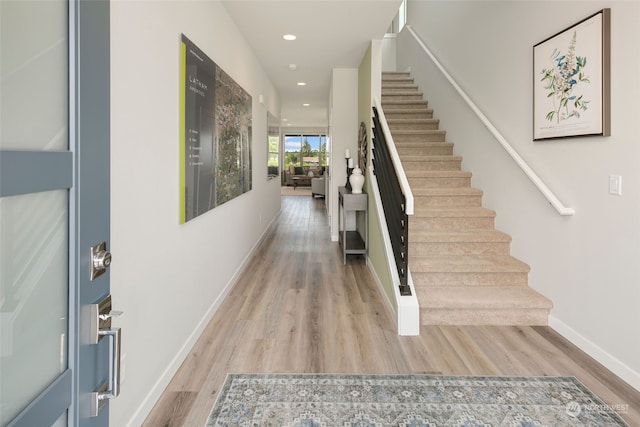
x=615, y=185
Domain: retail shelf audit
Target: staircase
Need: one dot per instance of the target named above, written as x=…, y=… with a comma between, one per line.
x=461, y=265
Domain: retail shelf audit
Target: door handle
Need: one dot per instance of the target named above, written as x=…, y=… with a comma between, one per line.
x=110, y=389
x=99, y=325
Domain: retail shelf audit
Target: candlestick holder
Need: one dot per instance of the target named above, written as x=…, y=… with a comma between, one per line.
x=349, y=171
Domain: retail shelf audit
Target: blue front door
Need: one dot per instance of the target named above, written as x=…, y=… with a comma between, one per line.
x=54, y=207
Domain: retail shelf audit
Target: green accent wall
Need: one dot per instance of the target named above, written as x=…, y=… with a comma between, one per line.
x=183, y=74
x=377, y=255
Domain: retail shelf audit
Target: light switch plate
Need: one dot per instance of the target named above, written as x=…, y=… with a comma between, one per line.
x=615, y=185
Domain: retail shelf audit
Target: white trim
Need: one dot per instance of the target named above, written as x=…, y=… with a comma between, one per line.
x=147, y=404
x=391, y=308
x=598, y=353
x=548, y=194
x=408, y=310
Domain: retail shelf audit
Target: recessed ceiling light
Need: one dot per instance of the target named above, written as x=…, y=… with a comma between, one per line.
x=293, y=67
x=302, y=84
x=305, y=105
x=289, y=37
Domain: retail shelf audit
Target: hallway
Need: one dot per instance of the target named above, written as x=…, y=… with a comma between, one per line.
x=297, y=308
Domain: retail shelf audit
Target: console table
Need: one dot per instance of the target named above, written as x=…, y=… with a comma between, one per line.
x=352, y=242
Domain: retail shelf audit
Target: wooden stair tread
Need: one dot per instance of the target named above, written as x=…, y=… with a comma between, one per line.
x=474, y=297
x=468, y=263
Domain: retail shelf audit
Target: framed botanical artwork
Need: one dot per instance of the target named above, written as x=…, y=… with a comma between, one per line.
x=571, y=80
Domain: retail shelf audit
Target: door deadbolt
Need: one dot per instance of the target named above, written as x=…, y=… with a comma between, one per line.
x=100, y=260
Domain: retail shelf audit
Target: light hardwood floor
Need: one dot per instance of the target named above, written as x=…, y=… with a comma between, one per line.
x=297, y=308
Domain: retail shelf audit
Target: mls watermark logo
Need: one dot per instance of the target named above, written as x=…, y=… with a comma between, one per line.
x=573, y=409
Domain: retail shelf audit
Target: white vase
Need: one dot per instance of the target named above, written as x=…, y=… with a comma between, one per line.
x=357, y=181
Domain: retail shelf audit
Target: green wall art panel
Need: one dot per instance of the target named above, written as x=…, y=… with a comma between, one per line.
x=215, y=134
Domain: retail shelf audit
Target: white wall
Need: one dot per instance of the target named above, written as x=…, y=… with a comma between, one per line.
x=588, y=264
x=166, y=277
x=389, y=52
x=343, y=134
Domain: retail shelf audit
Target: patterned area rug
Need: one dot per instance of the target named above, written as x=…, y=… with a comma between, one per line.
x=407, y=400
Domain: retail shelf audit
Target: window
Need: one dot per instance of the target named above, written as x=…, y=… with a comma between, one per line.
x=305, y=150
x=273, y=146
x=402, y=15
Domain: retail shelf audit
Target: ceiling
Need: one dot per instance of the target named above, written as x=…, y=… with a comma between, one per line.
x=330, y=34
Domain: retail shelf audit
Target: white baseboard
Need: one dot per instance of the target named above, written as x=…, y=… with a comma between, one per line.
x=137, y=419
x=610, y=362
x=390, y=306
x=404, y=310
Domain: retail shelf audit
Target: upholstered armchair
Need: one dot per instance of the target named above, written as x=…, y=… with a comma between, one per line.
x=317, y=186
